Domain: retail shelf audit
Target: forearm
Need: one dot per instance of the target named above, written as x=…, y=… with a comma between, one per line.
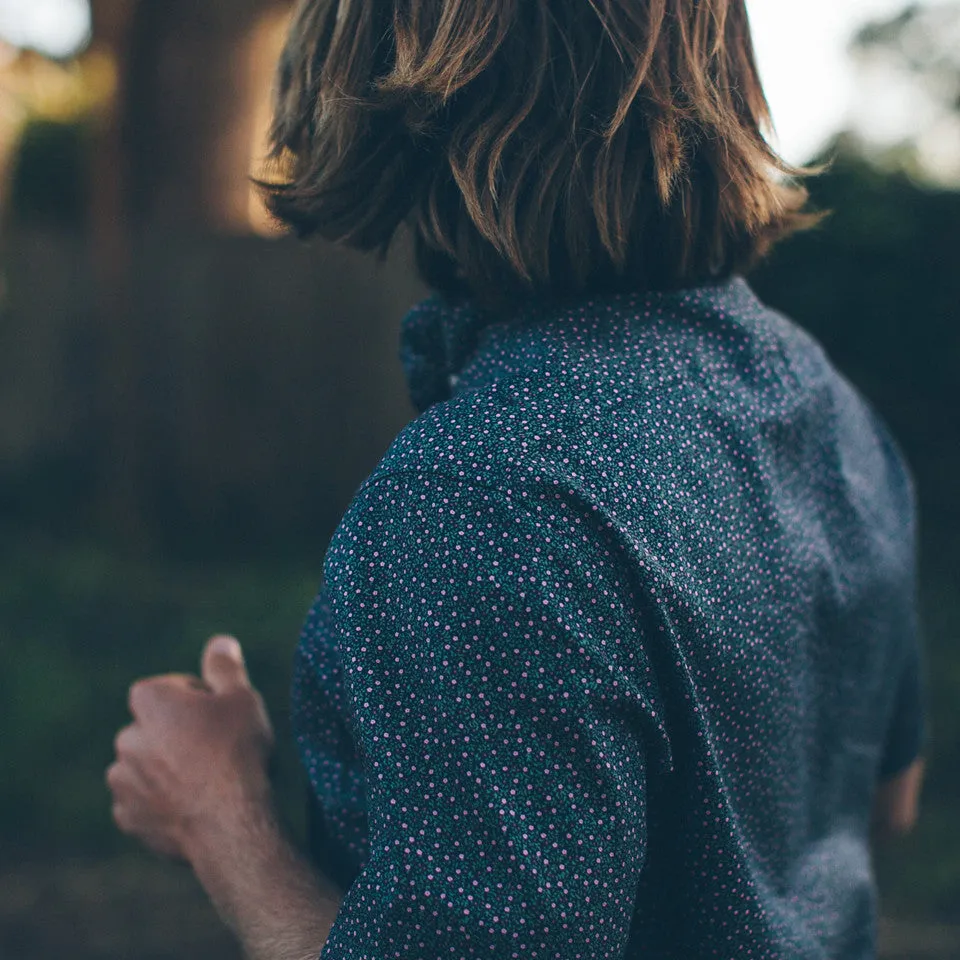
x=896, y=803
x=272, y=899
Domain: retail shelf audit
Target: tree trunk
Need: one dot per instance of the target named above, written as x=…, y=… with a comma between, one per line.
x=174, y=157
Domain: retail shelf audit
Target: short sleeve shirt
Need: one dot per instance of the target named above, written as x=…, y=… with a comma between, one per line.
x=614, y=643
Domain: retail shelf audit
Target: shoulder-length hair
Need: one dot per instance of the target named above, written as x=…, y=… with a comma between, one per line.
x=533, y=147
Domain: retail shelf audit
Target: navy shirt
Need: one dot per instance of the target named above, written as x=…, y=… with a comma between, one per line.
x=614, y=643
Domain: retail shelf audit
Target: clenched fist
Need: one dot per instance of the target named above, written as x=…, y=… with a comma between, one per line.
x=196, y=752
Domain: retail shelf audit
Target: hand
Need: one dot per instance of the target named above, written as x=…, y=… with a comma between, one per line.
x=196, y=752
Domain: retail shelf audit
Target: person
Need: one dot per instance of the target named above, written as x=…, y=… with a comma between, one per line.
x=616, y=652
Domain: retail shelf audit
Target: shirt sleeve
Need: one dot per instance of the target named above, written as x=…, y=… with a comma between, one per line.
x=907, y=731
x=908, y=726
x=490, y=658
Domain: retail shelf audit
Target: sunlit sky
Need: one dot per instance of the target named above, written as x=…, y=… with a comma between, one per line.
x=808, y=77
x=56, y=27
x=801, y=48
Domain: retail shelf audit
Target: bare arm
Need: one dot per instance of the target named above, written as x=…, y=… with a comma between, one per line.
x=190, y=781
x=268, y=895
x=896, y=802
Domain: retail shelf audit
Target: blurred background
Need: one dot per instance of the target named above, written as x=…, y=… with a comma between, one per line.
x=188, y=401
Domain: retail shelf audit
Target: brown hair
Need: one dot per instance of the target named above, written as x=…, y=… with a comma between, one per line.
x=542, y=147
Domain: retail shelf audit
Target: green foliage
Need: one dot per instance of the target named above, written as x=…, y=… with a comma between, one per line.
x=51, y=173
x=920, y=40
x=77, y=626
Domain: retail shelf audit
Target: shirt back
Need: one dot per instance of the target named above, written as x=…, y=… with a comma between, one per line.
x=672, y=513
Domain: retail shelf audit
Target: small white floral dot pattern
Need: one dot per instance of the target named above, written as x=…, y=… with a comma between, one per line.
x=614, y=643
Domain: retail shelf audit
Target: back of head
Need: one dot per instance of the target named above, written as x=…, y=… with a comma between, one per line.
x=534, y=147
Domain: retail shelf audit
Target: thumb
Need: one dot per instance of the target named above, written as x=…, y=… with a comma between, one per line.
x=222, y=666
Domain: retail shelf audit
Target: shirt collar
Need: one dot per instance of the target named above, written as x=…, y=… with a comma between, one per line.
x=438, y=338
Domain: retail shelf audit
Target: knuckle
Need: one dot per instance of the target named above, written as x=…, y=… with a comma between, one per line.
x=120, y=818
x=144, y=693
x=123, y=741
x=136, y=694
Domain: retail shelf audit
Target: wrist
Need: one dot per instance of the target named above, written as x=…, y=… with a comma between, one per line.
x=235, y=819
x=262, y=888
